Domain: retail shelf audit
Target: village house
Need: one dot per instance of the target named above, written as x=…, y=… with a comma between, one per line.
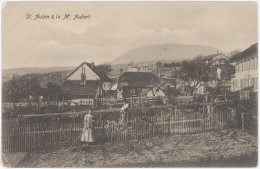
x=133, y=67
x=132, y=83
x=160, y=89
x=86, y=82
x=223, y=70
x=152, y=92
x=214, y=58
x=246, y=76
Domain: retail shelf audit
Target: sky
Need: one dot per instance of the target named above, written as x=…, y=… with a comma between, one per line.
x=113, y=28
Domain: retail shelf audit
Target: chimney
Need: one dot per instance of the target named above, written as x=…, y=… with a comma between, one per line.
x=82, y=76
x=217, y=52
x=121, y=71
x=92, y=65
x=160, y=73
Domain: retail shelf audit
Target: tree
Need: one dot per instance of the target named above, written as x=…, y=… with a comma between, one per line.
x=192, y=73
x=199, y=56
x=104, y=69
x=20, y=87
x=234, y=53
x=171, y=93
x=166, y=65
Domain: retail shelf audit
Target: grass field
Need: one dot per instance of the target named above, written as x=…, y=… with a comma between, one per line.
x=228, y=148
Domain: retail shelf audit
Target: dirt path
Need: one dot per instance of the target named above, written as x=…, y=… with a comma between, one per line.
x=229, y=148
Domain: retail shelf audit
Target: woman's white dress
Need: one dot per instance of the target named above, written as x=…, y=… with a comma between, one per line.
x=87, y=135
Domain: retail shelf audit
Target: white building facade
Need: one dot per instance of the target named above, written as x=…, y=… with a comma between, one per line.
x=246, y=69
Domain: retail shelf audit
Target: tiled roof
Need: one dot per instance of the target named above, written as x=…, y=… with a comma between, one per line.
x=145, y=91
x=170, y=80
x=211, y=56
x=74, y=87
x=138, y=79
x=249, y=52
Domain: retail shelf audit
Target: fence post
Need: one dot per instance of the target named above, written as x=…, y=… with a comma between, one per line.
x=103, y=127
x=62, y=103
x=234, y=115
x=131, y=101
x=48, y=103
x=169, y=126
x=175, y=120
x=242, y=118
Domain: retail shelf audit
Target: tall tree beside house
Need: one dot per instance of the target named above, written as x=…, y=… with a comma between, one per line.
x=220, y=73
x=199, y=56
x=21, y=87
x=171, y=93
x=234, y=53
x=104, y=69
x=192, y=73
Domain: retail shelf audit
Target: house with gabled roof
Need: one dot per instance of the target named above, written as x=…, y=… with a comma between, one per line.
x=85, y=82
x=134, y=67
x=223, y=69
x=246, y=76
x=133, y=83
x=152, y=92
x=214, y=58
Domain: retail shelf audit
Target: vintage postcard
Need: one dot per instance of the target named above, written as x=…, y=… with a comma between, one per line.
x=129, y=84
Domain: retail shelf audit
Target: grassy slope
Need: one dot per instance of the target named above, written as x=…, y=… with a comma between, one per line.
x=229, y=148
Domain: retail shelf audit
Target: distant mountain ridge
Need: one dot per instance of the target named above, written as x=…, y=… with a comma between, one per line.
x=148, y=54
x=171, y=51
x=7, y=74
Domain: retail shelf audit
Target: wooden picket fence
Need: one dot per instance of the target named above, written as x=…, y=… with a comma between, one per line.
x=52, y=136
x=174, y=123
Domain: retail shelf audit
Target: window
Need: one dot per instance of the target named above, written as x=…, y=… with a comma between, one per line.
x=241, y=84
x=256, y=83
x=203, y=89
x=253, y=63
x=252, y=81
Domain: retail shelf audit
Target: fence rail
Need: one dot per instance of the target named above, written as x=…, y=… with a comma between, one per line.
x=38, y=137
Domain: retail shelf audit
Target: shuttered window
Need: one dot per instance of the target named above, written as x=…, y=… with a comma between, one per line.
x=252, y=81
x=256, y=83
x=240, y=67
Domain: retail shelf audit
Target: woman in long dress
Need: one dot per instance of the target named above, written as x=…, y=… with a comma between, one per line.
x=87, y=135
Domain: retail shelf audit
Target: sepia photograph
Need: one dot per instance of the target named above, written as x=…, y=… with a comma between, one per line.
x=142, y=84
